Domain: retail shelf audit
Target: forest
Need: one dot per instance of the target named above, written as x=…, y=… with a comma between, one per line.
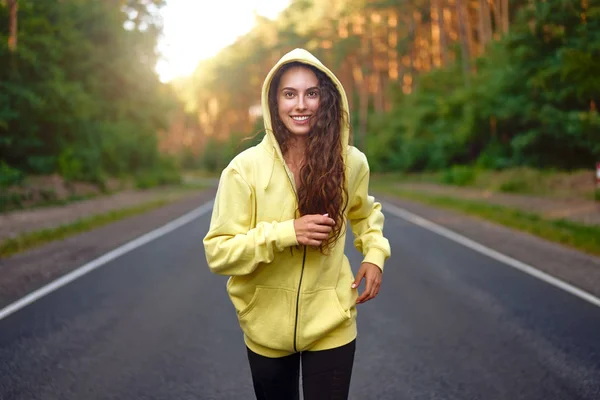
x=79, y=95
x=433, y=84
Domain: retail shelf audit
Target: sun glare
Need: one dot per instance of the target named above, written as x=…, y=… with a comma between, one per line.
x=197, y=29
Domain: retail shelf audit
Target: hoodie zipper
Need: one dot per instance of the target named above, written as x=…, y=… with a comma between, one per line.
x=298, y=301
x=301, y=271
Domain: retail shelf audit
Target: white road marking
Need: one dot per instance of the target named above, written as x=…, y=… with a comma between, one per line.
x=203, y=209
x=92, y=265
x=521, y=266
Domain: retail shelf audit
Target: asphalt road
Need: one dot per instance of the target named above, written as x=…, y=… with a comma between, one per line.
x=449, y=323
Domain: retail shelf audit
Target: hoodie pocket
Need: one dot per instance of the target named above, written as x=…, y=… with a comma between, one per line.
x=268, y=319
x=321, y=313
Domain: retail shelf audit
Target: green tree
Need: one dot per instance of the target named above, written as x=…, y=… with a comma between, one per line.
x=80, y=96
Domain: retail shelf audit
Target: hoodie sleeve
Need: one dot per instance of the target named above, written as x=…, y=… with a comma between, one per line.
x=233, y=246
x=366, y=220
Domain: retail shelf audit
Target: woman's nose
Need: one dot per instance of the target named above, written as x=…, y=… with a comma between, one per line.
x=301, y=104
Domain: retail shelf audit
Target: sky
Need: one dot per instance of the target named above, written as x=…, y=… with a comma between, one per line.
x=198, y=29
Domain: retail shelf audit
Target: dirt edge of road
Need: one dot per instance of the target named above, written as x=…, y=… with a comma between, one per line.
x=25, y=272
x=574, y=267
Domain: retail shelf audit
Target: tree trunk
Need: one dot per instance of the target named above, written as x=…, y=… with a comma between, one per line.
x=12, y=25
x=366, y=69
x=485, y=24
x=443, y=44
x=378, y=100
x=363, y=115
x=449, y=28
x=417, y=60
x=394, y=68
x=410, y=60
x=348, y=82
x=497, y=18
x=426, y=45
x=481, y=27
x=505, y=16
x=464, y=40
x=487, y=20
x=378, y=33
x=469, y=28
x=362, y=84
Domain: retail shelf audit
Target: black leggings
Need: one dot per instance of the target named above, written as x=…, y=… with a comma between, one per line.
x=325, y=374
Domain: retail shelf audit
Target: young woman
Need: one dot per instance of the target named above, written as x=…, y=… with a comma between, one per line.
x=278, y=230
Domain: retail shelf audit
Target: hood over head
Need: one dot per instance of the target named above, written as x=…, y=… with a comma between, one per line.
x=305, y=57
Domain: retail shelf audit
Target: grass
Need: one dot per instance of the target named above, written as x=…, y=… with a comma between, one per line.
x=15, y=201
x=33, y=239
x=576, y=184
x=200, y=173
x=581, y=237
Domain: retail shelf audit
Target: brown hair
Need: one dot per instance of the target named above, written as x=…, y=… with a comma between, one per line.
x=322, y=186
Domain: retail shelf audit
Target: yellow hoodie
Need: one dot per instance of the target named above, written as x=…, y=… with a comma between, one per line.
x=289, y=298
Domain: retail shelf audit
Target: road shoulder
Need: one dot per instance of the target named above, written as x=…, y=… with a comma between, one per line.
x=579, y=269
x=30, y=270
x=26, y=272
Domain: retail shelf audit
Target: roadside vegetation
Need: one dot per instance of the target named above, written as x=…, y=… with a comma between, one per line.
x=35, y=191
x=491, y=95
x=513, y=109
x=486, y=88
x=29, y=240
x=81, y=99
x=578, y=236
x=577, y=184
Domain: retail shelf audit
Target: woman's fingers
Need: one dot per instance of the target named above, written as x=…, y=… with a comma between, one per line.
x=312, y=230
x=371, y=291
x=323, y=220
x=366, y=294
x=319, y=235
x=372, y=273
x=321, y=228
x=313, y=239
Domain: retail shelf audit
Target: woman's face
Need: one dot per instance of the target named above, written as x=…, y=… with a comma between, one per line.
x=298, y=99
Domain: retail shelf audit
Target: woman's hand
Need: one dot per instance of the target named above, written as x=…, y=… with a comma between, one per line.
x=372, y=274
x=312, y=230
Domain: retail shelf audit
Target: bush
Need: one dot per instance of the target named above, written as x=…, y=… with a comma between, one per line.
x=514, y=186
x=150, y=179
x=80, y=164
x=10, y=176
x=218, y=153
x=166, y=173
x=459, y=175
x=11, y=201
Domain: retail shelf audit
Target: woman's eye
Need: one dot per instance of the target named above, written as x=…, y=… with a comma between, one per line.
x=288, y=95
x=313, y=93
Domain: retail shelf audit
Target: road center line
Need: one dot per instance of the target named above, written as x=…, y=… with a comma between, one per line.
x=521, y=266
x=111, y=255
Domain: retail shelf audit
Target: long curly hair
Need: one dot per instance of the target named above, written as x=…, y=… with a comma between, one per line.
x=322, y=186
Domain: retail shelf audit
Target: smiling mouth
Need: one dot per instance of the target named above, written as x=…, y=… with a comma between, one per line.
x=300, y=117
